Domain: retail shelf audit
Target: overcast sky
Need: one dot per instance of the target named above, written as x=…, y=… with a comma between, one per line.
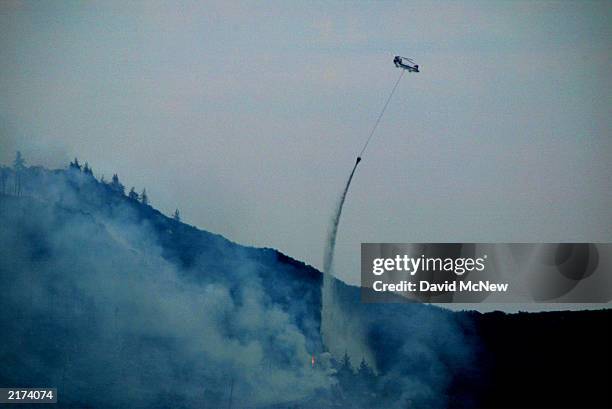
x=248, y=116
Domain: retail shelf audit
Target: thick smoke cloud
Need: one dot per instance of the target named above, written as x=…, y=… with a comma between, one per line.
x=91, y=306
x=119, y=306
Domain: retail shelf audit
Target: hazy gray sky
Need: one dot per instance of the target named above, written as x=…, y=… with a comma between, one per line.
x=249, y=116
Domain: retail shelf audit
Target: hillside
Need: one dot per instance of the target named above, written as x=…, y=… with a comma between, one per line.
x=119, y=305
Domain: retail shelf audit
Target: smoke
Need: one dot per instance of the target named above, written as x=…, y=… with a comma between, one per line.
x=342, y=333
x=97, y=303
x=423, y=347
x=91, y=305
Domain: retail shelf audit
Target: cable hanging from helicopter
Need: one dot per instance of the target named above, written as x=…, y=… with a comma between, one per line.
x=406, y=64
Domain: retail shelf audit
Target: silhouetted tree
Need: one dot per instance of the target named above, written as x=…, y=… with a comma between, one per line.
x=75, y=165
x=144, y=199
x=87, y=170
x=4, y=173
x=133, y=195
x=345, y=363
x=19, y=162
x=176, y=216
x=116, y=185
x=345, y=372
x=19, y=166
x=366, y=382
x=364, y=370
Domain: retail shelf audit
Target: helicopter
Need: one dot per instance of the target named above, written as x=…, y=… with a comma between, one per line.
x=405, y=63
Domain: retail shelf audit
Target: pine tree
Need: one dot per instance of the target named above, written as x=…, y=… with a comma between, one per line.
x=75, y=165
x=116, y=185
x=87, y=170
x=19, y=163
x=4, y=173
x=176, y=216
x=144, y=199
x=19, y=166
x=345, y=372
x=365, y=383
x=133, y=195
x=366, y=373
x=364, y=369
x=345, y=363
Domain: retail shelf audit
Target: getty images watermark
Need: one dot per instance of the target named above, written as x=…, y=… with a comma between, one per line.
x=482, y=272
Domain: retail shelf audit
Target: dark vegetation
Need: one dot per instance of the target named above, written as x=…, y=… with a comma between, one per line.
x=546, y=360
